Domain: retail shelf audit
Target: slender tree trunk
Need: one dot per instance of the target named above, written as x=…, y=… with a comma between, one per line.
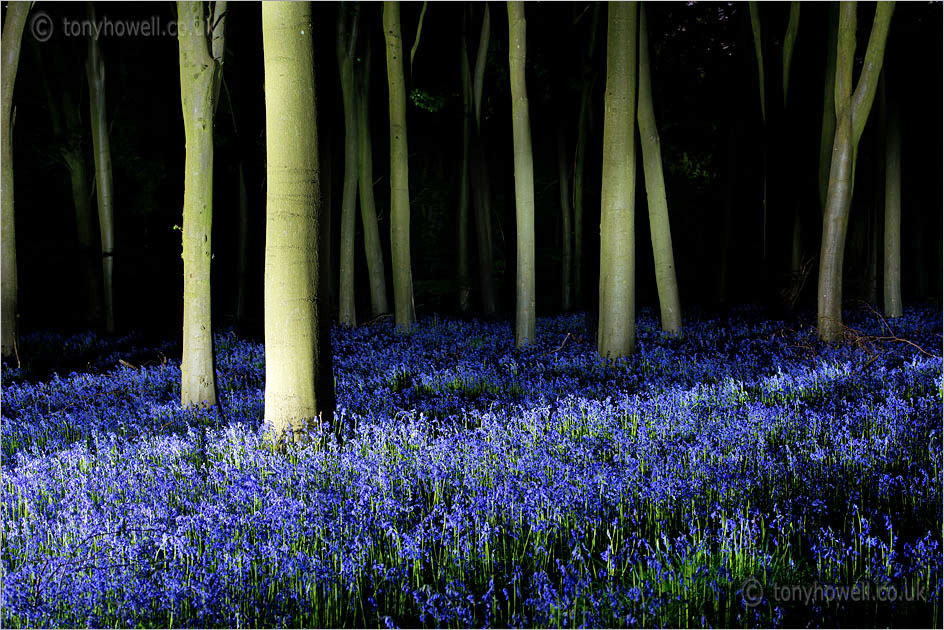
x=348, y=19
x=852, y=108
x=464, y=281
x=399, y=171
x=759, y=54
x=298, y=384
x=481, y=187
x=617, y=327
x=375, y=263
x=524, y=177
x=10, y=50
x=197, y=79
x=655, y=191
x=789, y=39
x=892, y=294
x=567, y=261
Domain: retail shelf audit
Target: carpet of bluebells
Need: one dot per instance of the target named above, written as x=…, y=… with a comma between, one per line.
x=691, y=484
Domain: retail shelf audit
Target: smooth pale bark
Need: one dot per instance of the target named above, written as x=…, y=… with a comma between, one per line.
x=462, y=248
x=524, y=177
x=583, y=130
x=659, y=228
x=481, y=187
x=197, y=80
x=10, y=49
x=789, y=39
x=567, y=260
x=365, y=158
x=404, y=313
x=892, y=293
x=416, y=40
x=828, y=129
x=299, y=385
x=68, y=130
x=616, y=335
x=348, y=19
x=101, y=150
x=851, y=109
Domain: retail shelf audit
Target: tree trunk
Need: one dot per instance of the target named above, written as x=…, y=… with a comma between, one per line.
x=789, y=39
x=567, y=261
x=655, y=191
x=617, y=326
x=759, y=55
x=851, y=111
x=372, y=248
x=481, y=187
x=95, y=68
x=348, y=19
x=524, y=177
x=464, y=282
x=10, y=50
x=295, y=363
x=583, y=130
x=197, y=70
x=893, y=307
x=399, y=172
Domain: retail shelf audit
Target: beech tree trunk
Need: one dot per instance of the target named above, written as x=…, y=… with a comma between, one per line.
x=462, y=232
x=852, y=110
x=101, y=149
x=481, y=187
x=563, y=176
x=299, y=386
x=10, y=49
x=404, y=312
x=616, y=334
x=524, y=177
x=892, y=293
x=348, y=18
x=655, y=191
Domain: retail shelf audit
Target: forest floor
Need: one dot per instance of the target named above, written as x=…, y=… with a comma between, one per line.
x=742, y=474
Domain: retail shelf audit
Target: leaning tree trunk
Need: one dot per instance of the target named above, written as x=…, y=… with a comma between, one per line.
x=583, y=130
x=828, y=131
x=347, y=41
x=198, y=71
x=893, y=212
x=372, y=248
x=852, y=110
x=298, y=386
x=655, y=191
x=10, y=50
x=617, y=327
x=399, y=172
x=524, y=177
x=462, y=248
x=567, y=258
x=101, y=149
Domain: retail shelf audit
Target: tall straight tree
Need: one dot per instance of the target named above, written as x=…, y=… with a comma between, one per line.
x=524, y=177
x=365, y=159
x=616, y=334
x=852, y=111
x=655, y=191
x=299, y=384
x=10, y=49
x=567, y=257
x=892, y=277
x=199, y=79
x=348, y=19
x=404, y=313
x=101, y=149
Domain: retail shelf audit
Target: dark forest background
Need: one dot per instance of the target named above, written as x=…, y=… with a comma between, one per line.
x=707, y=109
